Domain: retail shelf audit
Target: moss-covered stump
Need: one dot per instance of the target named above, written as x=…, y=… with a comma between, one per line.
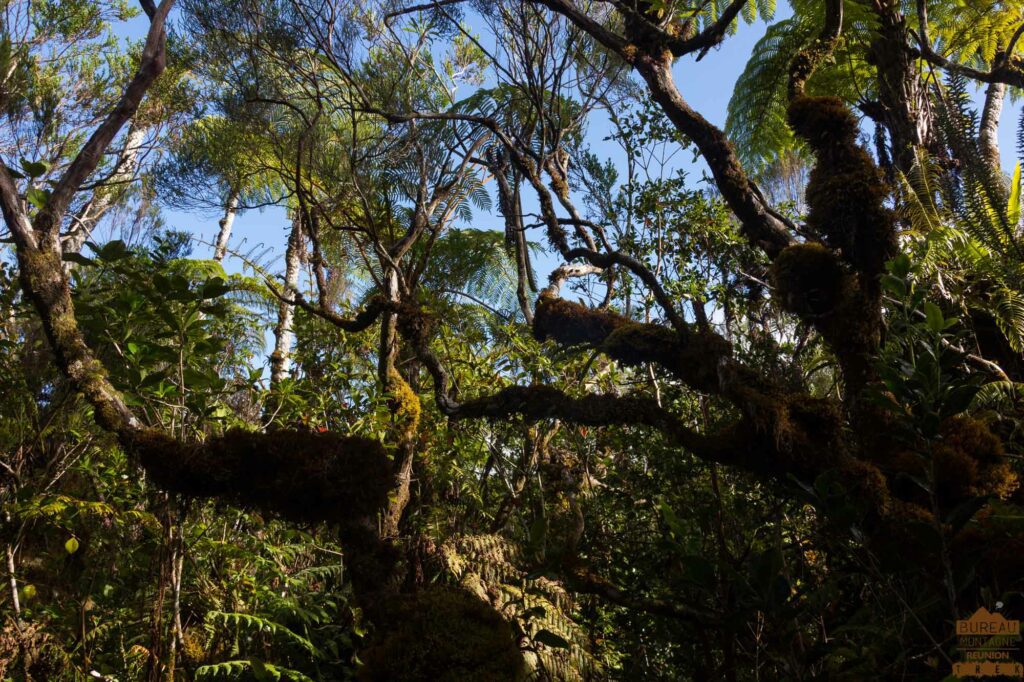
x=442, y=634
x=299, y=475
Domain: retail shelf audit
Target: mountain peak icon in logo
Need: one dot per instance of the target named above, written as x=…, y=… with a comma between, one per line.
x=984, y=622
x=989, y=645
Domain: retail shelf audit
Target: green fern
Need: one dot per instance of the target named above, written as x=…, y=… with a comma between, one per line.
x=236, y=669
x=259, y=624
x=489, y=565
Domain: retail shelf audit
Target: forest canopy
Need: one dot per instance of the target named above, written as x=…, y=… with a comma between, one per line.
x=525, y=394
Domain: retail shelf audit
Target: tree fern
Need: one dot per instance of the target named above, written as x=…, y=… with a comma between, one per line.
x=756, y=119
x=490, y=566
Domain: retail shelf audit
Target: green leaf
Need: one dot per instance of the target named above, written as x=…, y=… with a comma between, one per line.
x=78, y=258
x=959, y=399
x=260, y=671
x=1013, y=205
x=936, y=322
x=214, y=288
x=34, y=169
x=550, y=639
x=37, y=197
x=698, y=570
x=113, y=251
x=894, y=285
x=900, y=266
x=71, y=546
x=672, y=520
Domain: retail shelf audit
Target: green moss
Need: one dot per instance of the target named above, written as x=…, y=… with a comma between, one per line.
x=808, y=279
x=693, y=357
x=298, y=475
x=846, y=191
x=571, y=323
x=804, y=434
x=442, y=634
x=405, y=404
x=824, y=122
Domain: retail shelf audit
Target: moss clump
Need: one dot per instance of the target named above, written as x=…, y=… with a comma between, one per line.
x=811, y=282
x=866, y=484
x=694, y=360
x=972, y=436
x=798, y=435
x=405, y=404
x=1000, y=480
x=823, y=122
x=966, y=461
x=299, y=475
x=808, y=279
x=906, y=533
x=570, y=323
x=414, y=323
x=442, y=634
x=192, y=649
x=846, y=191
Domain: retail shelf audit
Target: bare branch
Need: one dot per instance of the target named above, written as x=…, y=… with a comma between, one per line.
x=154, y=59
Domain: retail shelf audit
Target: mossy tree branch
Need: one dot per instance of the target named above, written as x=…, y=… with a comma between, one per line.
x=37, y=240
x=652, y=56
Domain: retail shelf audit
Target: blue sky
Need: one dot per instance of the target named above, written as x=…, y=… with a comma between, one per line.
x=707, y=85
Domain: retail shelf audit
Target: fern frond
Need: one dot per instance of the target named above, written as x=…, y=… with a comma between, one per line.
x=259, y=624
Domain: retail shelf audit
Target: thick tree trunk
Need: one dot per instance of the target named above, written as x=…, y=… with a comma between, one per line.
x=988, y=130
x=226, y=223
x=901, y=91
x=280, y=359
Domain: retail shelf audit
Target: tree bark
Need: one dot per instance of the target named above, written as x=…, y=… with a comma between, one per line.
x=901, y=92
x=15, y=602
x=226, y=223
x=988, y=130
x=280, y=359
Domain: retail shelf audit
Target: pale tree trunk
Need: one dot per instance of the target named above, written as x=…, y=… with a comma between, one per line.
x=226, y=222
x=280, y=359
x=988, y=130
x=104, y=198
x=177, y=567
x=12, y=577
x=23, y=642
